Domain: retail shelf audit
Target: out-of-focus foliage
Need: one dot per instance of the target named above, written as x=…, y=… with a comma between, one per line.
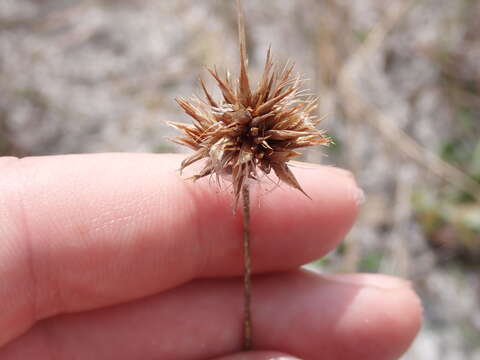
x=452, y=226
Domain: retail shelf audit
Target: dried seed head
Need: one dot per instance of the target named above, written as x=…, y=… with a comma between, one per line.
x=250, y=131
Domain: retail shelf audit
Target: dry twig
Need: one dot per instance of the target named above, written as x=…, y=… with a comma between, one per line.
x=357, y=108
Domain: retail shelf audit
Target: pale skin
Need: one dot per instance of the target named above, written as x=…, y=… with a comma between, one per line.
x=116, y=256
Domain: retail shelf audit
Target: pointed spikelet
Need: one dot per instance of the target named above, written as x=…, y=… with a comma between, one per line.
x=250, y=130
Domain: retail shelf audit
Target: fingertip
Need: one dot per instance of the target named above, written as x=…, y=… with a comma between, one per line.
x=404, y=326
x=393, y=325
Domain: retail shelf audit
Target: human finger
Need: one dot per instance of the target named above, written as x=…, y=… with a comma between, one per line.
x=85, y=231
x=300, y=313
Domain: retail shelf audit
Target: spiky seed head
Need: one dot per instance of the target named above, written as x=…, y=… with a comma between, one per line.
x=247, y=132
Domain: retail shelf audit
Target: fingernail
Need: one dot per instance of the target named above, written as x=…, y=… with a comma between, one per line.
x=382, y=282
x=357, y=193
x=358, y=196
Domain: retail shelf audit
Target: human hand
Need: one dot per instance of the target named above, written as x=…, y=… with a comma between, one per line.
x=114, y=256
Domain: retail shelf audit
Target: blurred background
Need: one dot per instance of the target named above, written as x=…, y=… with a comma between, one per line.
x=399, y=81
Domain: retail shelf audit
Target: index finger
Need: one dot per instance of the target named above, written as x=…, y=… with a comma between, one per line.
x=85, y=231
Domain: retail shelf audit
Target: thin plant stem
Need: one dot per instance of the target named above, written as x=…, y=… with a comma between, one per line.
x=227, y=132
x=247, y=261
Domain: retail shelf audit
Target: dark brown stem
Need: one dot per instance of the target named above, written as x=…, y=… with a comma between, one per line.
x=247, y=282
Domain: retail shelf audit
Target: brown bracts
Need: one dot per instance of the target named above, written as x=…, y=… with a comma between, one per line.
x=250, y=131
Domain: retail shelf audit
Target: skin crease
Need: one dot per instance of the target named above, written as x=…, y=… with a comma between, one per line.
x=102, y=253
